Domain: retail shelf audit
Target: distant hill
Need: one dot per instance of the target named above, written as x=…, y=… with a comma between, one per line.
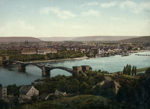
x=87, y=38
x=19, y=39
x=56, y=38
x=102, y=38
x=143, y=39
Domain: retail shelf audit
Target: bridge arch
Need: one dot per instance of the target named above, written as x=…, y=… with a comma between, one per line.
x=46, y=70
x=62, y=68
x=22, y=66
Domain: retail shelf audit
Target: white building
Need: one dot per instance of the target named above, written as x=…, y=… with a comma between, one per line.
x=100, y=51
x=59, y=93
x=3, y=92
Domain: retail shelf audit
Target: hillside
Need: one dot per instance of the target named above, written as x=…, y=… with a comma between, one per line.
x=56, y=38
x=87, y=38
x=102, y=38
x=19, y=39
x=143, y=39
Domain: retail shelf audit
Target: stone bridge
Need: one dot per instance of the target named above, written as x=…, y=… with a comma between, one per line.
x=5, y=61
x=45, y=69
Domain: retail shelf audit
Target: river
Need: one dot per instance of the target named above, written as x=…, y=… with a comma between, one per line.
x=10, y=75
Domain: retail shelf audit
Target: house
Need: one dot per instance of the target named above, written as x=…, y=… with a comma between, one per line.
x=26, y=92
x=100, y=51
x=3, y=92
x=29, y=51
x=83, y=50
x=46, y=50
x=59, y=93
x=107, y=80
x=91, y=53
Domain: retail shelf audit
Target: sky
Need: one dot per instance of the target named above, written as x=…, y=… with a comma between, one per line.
x=74, y=18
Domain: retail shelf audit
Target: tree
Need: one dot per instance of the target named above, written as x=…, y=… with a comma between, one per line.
x=135, y=70
x=129, y=69
x=124, y=70
x=132, y=70
x=147, y=71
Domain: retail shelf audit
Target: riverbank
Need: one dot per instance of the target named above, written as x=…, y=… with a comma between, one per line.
x=79, y=58
x=56, y=60
x=140, y=70
x=141, y=51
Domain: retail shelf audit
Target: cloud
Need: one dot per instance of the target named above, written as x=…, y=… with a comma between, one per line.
x=90, y=13
x=16, y=28
x=135, y=7
x=89, y=4
x=107, y=5
x=23, y=25
x=145, y=6
x=1, y=2
x=59, y=12
x=22, y=6
x=128, y=4
x=117, y=18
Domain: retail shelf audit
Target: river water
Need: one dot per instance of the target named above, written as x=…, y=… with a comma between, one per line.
x=10, y=75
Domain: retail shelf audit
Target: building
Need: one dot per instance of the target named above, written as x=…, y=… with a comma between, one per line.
x=77, y=69
x=26, y=92
x=85, y=68
x=3, y=92
x=46, y=96
x=46, y=50
x=59, y=93
x=28, y=50
x=100, y=51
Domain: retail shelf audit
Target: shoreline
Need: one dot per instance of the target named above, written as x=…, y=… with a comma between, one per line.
x=78, y=58
x=57, y=60
x=141, y=51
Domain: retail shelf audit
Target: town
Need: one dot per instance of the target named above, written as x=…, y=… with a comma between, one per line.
x=88, y=48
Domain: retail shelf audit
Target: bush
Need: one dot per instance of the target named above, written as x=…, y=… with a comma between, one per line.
x=147, y=71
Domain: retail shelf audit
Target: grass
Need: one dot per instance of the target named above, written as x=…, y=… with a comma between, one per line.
x=67, y=102
x=138, y=70
x=142, y=69
x=129, y=77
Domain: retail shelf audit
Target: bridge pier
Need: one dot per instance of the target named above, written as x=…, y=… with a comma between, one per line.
x=21, y=68
x=76, y=70
x=1, y=61
x=45, y=72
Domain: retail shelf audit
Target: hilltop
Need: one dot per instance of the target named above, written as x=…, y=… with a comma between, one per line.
x=143, y=39
x=19, y=39
x=87, y=38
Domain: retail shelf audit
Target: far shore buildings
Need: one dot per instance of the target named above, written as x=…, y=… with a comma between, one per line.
x=32, y=50
x=46, y=50
x=29, y=50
